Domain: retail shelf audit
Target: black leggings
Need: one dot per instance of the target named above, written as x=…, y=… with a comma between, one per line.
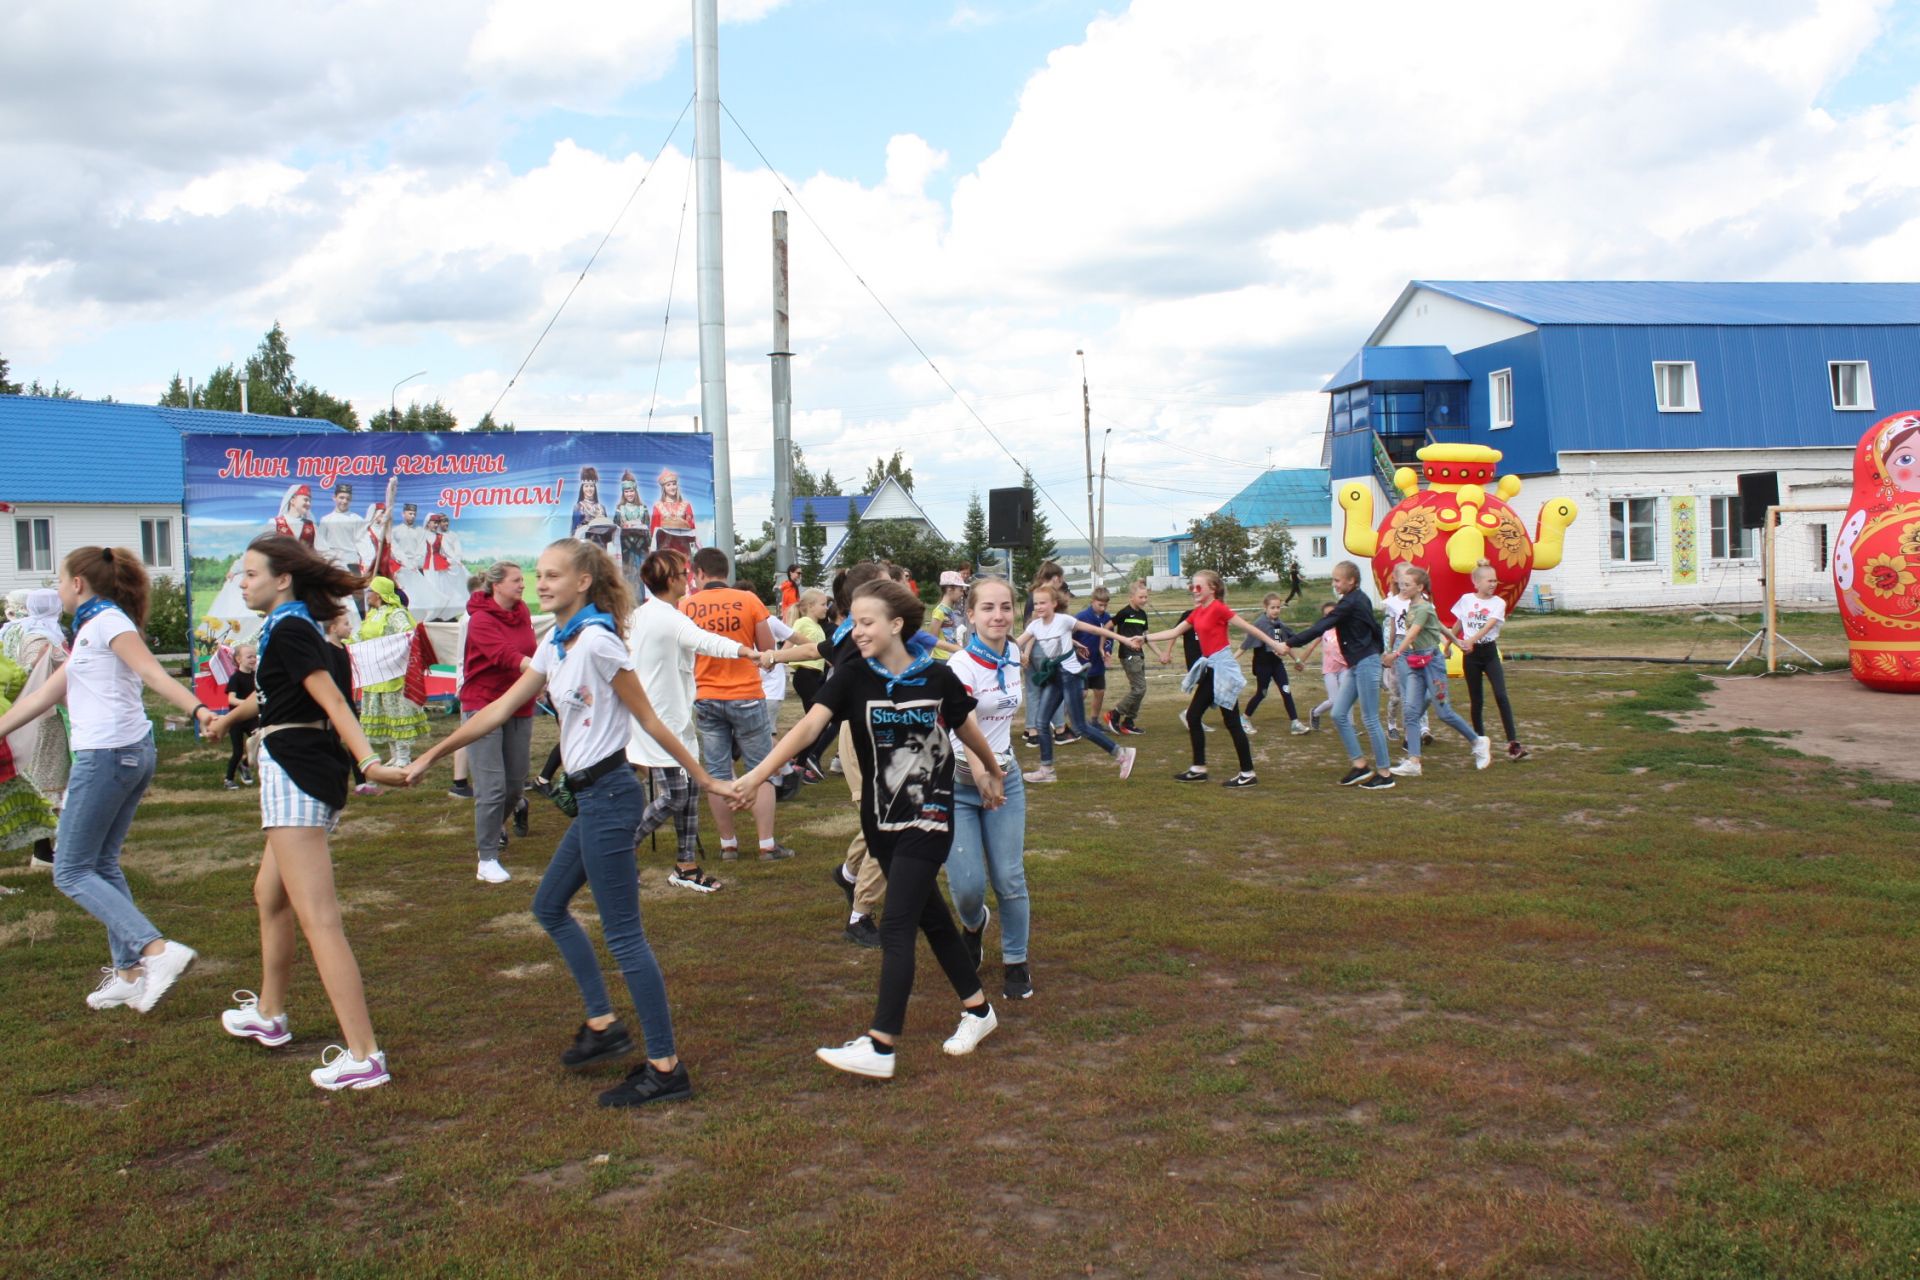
x=238, y=756
x=1485, y=659
x=1271, y=671
x=806, y=683
x=1202, y=700
x=915, y=905
x=551, y=769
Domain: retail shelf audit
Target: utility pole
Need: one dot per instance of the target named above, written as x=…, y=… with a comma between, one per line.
x=782, y=405
x=1086, y=430
x=1100, y=530
x=711, y=291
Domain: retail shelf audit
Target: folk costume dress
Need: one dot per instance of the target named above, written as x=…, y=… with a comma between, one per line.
x=385, y=713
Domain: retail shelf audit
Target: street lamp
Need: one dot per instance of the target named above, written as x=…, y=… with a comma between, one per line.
x=393, y=396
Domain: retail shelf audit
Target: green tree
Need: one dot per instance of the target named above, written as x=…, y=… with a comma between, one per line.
x=808, y=485
x=434, y=417
x=909, y=544
x=757, y=572
x=884, y=468
x=272, y=389
x=487, y=423
x=270, y=372
x=54, y=392
x=1026, y=563
x=973, y=534
x=175, y=396
x=221, y=392
x=1142, y=569
x=813, y=546
x=1275, y=549
x=7, y=388
x=1220, y=544
x=853, y=547
x=311, y=402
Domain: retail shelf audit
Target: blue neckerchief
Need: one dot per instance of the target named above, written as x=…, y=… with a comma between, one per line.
x=840, y=632
x=589, y=616
x=90, y=610
x=1007, y=657
x=291, y=609
x=916, y=672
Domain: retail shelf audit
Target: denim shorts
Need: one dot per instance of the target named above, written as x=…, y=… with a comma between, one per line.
x=729, y=728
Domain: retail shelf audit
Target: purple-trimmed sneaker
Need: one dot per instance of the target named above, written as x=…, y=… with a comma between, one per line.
x=342, y=1070
x=248, y=1023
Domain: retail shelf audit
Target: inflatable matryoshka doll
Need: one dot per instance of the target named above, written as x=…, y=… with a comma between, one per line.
x=1876, y=558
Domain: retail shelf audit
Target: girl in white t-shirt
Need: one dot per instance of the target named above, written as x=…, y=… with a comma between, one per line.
x=1047, y=645
x=990, y=845
x=113, y=762
x=586, y=668
x=1478, y=619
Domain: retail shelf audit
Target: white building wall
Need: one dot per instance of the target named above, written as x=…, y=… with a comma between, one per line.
x=1434, y=320
x=1588, y=578
x=75, y=526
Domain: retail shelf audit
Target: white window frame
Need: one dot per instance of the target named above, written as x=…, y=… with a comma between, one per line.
x=1653, y=524
x=1320, y=546
x=1494, y=382
x=1693, y=386
x=157, y=524
x=1722, y=525
x=33, y=565
x=1865, y=386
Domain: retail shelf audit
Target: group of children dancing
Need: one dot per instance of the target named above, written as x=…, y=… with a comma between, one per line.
x=926, y=740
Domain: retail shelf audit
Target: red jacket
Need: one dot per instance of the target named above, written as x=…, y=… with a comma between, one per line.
x=497, y=639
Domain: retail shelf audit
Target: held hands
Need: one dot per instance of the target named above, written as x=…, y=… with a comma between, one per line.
x=993, y=791
x=738, y=793
x=389, y=775
x=212, y=730
x=412, y=774
x=1134, y=643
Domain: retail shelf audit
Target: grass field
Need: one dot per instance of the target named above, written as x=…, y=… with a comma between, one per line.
x=1640, y=1006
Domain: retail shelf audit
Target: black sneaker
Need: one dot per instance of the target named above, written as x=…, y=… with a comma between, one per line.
x=810, y=774
x=787, y=788
x=1019, y=983
x=1111, y=725
x=591, y=1046
x=1132, y=730
x=246, y=776
x=230, y=784
x=521, y=818
x=461, y=791
x=1191, y=775
x=864, y=932
x=647, y=1083
x=541, y=786
x=1426, y=739
x=976, y=940
x=1354, y=776
x=840, y=882
x=1240, y=780
x=1031, y=737
x=1065, y=739
x=1378, y=782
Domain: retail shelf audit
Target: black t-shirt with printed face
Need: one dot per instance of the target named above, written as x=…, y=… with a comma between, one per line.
x=313, y=758
x=906, y=759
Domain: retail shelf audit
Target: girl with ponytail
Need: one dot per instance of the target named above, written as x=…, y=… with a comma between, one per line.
x=106, y=589
x=308, y=741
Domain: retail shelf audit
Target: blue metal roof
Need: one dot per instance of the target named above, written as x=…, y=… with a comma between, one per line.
x=829, y=510
x=1398, y=364
x=88, y=451
x=1297, y=495
x=1685, y=302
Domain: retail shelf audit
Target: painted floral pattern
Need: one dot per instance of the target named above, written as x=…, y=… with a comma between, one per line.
x=1411, y=529
x=1510, y=542
x=1888, y=575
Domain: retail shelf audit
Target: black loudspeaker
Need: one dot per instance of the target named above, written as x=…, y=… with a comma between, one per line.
x=1010, y=518
x=1758, y=491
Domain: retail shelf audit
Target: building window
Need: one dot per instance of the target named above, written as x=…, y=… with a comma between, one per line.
x=1852, y=384
x=1500, y=397
x=1729, y=540
x=1676, y=389
x=1820, y=548
x=33, y=545
x=156, y=543
x=1630, y=530
x=1320, y=547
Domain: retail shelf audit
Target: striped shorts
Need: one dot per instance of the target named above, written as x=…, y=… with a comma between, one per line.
x=282, y=804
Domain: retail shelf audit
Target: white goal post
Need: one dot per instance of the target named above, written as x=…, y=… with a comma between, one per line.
x=1818, y=556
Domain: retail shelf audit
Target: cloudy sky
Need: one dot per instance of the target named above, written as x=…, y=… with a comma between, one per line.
x=1216, y=199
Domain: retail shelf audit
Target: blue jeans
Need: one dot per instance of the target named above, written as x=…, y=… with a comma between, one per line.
x=1363, y=689
x=729, y=727
x=1030, y=713
x=598, y=851
x=1416, y=689
x=1068, y=689
x=991, y=845
x=102, y=793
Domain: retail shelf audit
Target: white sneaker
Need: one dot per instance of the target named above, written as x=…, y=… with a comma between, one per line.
x=860, y=1058
x=344, y=1071
x=112, y=991
x=492, y=872
x=1482, y=752
x=162, y=971
x=1124, y=758
x=1246, y=727
x=1408, y=768
x=971, y=1031
x=248, y=1023
x=834, y=766
x=1300, y=728
x=1044, y=773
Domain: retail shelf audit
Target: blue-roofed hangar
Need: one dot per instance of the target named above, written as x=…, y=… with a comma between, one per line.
x=1643, y=401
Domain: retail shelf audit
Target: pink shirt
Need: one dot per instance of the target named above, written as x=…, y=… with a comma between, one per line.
x=1331, y=659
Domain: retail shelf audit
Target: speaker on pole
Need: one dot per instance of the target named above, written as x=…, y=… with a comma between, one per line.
x=1758, y=491
x=1010, y=518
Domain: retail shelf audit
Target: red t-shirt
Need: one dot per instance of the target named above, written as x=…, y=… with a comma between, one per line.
x=1210, y=626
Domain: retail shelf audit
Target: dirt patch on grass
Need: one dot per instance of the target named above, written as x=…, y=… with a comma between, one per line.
x=522, y=971
x=843, y=825
x=1831, y=715
x=35, y=926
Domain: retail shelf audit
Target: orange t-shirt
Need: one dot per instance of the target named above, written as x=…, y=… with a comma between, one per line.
x=737, y=615
x=789, y=595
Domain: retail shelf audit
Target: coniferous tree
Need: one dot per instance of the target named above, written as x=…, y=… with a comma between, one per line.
x=1027, y=562
x=813, y=546
x=973, y=534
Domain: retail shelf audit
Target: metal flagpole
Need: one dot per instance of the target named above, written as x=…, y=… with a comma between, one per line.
x=711, y=293
x=782, y=405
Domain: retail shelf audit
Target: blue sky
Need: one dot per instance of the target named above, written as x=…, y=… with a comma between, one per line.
x=1215, y=199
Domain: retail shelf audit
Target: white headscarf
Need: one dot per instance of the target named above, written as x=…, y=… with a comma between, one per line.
x=43, y=616
x=16, y=605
